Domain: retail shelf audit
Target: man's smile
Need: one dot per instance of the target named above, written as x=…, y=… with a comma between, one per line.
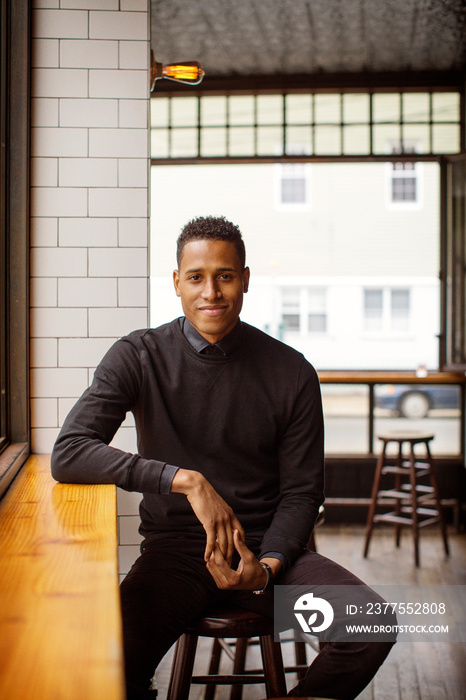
x=212, y=311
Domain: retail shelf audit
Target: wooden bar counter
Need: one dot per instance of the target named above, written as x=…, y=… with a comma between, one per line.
x=60, y=623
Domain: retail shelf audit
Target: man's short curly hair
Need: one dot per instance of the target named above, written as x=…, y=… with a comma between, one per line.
x=211, y=228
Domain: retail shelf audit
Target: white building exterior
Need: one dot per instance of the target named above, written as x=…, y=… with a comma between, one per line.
x=347, y=276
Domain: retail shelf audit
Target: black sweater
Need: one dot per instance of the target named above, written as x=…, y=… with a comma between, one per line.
x=251, y=422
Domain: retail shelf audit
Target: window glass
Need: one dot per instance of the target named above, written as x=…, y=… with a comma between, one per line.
x=241, y=110
x=430, y=408
x=356, y=108
x=416, y=107
x=373, y=309
x=386, y=107
x=327, y=109
x=346, y=412
x=325, y=124
x=400, y=308
x=214, y=111
x=269, y=109
x=299, y=109
x=445, y=106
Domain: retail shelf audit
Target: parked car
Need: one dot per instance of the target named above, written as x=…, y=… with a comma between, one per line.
x=415, y=401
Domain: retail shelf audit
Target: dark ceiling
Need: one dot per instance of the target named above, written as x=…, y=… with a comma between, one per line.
x=264, y=38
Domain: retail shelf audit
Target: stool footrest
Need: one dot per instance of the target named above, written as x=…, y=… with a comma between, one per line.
x=239, y=679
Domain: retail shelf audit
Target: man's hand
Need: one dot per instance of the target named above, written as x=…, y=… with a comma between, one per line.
x=249, y=576
x=214, y=514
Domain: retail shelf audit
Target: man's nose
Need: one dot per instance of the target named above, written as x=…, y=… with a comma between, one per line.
x=211, y=290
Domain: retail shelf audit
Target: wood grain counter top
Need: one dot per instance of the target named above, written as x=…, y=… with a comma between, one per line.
x=60, y=623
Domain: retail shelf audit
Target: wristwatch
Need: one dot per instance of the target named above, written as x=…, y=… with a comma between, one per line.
x=269, y=573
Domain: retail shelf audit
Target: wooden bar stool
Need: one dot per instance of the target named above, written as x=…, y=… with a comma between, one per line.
x=237, y=623
x=416, y=504
x=236, y=650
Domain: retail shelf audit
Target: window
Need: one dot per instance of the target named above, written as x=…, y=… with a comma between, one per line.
x=386, y=310
x=293, y=184
x=303, y=310
x=317, y=317
x=249, y=127
x=404, y=183
x=14, y=228
x=291, y=309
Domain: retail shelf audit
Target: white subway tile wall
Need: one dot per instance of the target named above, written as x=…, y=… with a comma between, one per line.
x=89, y=207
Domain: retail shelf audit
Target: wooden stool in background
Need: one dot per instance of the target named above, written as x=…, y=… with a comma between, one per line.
x=416, y=504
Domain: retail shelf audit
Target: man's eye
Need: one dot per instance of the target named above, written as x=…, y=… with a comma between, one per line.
x=225, y=277
x=195, y=278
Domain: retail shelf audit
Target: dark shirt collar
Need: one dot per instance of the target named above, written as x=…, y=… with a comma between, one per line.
x=226, y=345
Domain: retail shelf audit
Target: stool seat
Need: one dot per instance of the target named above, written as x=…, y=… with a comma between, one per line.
x=416, y=504
x=412, y=436
x=219, y=623
x=241, y=623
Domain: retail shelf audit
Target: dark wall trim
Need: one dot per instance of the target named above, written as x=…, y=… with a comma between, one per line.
x=15, y=119
x=18, y=220
x=319, y=82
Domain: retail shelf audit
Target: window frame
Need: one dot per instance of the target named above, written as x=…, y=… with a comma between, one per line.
x=14, y=306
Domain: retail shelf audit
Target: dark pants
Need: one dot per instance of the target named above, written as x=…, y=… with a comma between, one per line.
x=169, y=586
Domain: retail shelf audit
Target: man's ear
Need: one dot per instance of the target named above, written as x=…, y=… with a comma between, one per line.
x=246, y=275
x=176, y=282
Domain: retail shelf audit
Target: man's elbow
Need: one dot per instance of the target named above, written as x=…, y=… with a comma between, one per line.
x=60, y=463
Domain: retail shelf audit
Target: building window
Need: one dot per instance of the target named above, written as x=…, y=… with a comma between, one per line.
x=387, y=310
x=304, y=310
x=404, y=177
x=293, y=184
x=404, y=183
x=291, y=309
x=317, y=317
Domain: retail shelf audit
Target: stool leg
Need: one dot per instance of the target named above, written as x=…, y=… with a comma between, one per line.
x=182, y=668
x=375, y=490
x=399, y=464
x=273, y=667
x=415, y=526
x=433, y=481
x=239, y=665
x=213, y=668
x=301, y=658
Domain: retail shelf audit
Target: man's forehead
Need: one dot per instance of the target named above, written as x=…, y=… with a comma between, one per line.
x=201, y=253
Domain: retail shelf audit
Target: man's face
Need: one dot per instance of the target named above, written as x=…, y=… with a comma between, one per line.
x=211, y=284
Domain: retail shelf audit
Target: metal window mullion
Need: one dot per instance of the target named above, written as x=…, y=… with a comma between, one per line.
x=431, y=124
x=371, y=125
x=284, y=144
x=401, y=124
x=255, y=125
x=170, y=116
x=227, y=126
x=198, y=126
x=341, y=125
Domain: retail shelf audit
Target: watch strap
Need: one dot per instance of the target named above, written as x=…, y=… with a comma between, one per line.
x=269, y=573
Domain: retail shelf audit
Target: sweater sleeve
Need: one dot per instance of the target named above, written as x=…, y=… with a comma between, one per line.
x=301, y=464
x=82, y=453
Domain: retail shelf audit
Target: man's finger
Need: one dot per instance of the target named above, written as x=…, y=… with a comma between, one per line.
x=210, y=544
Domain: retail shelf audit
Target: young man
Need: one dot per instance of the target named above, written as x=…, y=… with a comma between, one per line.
x=230, y=463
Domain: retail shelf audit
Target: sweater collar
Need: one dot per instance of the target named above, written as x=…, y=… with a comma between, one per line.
x=226, y=345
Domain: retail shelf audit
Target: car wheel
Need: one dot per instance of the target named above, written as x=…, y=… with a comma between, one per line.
x=414, y=404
